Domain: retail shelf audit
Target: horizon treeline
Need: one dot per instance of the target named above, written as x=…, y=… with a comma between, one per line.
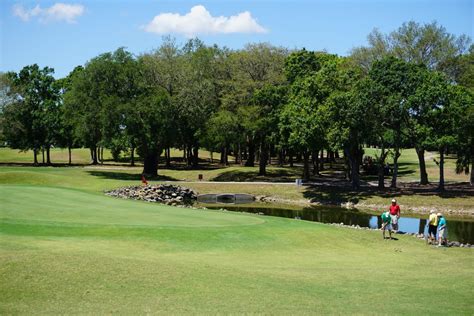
x=410, y=88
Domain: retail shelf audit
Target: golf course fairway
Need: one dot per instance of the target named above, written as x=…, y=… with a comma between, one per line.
x=68, y=251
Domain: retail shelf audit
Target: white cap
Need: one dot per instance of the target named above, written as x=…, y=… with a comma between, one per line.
x=394, y=201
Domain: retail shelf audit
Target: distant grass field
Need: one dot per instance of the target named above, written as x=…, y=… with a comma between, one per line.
x=409, y=167
x=73, y=251
x=111, y=175
x=81, y=156
x=97, y=179
x=408, y=170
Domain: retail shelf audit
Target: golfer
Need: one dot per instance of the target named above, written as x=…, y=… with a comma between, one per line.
x=432, y=227
x=386, y=219
x=442, y=230
x=394, y=214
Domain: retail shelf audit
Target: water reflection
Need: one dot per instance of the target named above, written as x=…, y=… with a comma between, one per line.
x=458, y=229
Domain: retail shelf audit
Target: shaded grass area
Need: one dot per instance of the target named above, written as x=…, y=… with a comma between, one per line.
x=456, y=196
x=81, y=156
x=91, y=254
x=409, y=165
x=248, y=174
x=97, y=179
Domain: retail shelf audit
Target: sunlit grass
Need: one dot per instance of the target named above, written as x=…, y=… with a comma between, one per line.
x=69, y=251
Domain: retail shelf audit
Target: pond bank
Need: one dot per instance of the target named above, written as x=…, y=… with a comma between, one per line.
x=406, y=208
x=460, y=230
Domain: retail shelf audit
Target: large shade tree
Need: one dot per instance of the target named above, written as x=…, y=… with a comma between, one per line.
x=30, y=118
x=424, y=44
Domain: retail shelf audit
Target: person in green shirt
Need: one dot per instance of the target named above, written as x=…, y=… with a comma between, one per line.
x=386, y=220
x=442, y=230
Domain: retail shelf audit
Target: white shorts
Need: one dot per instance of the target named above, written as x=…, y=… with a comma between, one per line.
x=394, y=222
x=443, y=233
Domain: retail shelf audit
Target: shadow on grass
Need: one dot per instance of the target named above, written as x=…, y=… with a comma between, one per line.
x=251, y=175
x=339, y=194
x=126, y=176
x=184, y=166
x=30, y=164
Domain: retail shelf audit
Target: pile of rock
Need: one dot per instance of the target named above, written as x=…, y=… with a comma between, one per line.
x=164, y=193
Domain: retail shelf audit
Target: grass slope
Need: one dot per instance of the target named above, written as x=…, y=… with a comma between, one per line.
x=98, y=179
x=72, y=251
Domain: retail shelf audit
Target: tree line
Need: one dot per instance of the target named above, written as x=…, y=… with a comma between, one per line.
x=410, y=88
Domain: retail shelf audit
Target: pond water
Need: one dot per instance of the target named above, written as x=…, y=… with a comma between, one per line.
x=459, y=229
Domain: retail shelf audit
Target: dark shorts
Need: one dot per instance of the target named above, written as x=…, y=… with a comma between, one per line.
x=432, y=230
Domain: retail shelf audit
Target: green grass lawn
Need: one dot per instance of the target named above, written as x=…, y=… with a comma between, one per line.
x=408, y=166
x=74, y=251
x=111, y=175
x=97, y=179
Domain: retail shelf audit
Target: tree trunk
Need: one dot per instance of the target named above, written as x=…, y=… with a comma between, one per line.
x=94, y=155
x=226, y=156
x=238, y=159
x=381, y=170
x=168, y=157
x=315, y=160
x=270, y=154
x=347, y=163
x=471, y=180
x=395, y=167
x=281, y=157
x=321, y=161
x=355, y=172
x=421, y=160
x=306, y=174
x=42, y=153
x=150, y=164
x=441, y=169
x=35, y=158
x=290, y=157
x=298, y=157
x=48, y=155
x=195, y=156
x=354, y=160
x=102, y=155
x=251, y=154
x=331, y=158
x=336, y=154
x=262, y=166
x=132, y=156
x=70, y=154
x=189, y=155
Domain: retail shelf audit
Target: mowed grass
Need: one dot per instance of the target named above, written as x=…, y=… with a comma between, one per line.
x=97, y=179
x=82, y=156
x=409, y=169
x=408, y=166
x=70, y=251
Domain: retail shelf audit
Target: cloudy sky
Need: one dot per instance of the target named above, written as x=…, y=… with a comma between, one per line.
x=64, y=34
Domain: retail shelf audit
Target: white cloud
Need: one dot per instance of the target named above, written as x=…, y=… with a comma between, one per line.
x=57, y=12
x=200, y=21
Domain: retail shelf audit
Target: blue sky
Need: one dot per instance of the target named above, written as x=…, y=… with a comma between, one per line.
x=63, y=34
